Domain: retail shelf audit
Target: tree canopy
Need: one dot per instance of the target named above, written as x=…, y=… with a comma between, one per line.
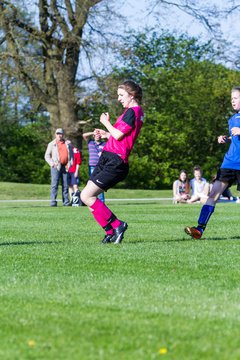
x=186, y=90
x=43, y=52
x=186, y=101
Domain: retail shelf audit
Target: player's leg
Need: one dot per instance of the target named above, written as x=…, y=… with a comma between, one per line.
x=207, y=210
x=102, y=214
x=205, y=194
x=108, y=172
x=101, y=196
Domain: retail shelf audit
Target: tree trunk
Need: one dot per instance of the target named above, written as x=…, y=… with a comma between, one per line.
x=47, y=62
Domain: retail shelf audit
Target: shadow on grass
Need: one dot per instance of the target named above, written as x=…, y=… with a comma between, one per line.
x=221, y=238
x=189, y=239
x=24, y=206
x=14, y=243
x=204, y=239
x=135, y=242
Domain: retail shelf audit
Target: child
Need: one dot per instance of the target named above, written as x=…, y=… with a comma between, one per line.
x=73, y=177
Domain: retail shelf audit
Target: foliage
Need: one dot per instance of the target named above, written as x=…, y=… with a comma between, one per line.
x=45, y=51
x=186, y=103
x=22, y=153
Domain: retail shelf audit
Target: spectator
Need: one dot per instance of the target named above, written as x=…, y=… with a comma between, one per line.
x=181, y=188
x=199, y=187
x=73, y=177
x=95, y=147
x=59, y=156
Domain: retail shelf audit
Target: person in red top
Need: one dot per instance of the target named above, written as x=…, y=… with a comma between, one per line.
x=73, y=177
x=113, y=165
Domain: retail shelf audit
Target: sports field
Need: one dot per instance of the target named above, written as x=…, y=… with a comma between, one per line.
x=158, y=295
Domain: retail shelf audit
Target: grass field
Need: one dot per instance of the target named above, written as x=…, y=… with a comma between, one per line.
x=158, y=295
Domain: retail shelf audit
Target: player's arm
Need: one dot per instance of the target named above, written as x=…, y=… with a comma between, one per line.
x=126, y=124
x=235, y=131
x=223, y=139
x=105, y=120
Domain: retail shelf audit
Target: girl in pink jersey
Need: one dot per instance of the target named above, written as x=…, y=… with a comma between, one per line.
x=113, y=163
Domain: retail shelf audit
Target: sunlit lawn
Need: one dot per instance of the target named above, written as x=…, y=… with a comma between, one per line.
x=159, y=295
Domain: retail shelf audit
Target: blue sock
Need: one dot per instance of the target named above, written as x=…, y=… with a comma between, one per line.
x=204, y=216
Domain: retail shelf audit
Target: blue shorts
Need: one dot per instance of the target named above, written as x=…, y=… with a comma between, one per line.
x=72, y=180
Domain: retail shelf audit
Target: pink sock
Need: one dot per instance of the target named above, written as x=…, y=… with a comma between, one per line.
x=115, y=223
x=109, y=232
x=101, y=212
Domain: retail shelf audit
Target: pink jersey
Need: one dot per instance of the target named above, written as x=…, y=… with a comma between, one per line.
x=123, y=147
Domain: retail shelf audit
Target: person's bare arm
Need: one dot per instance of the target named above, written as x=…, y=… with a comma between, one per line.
x=105, y=120
x=104, y=134
x=222, y=139
x=86, y=135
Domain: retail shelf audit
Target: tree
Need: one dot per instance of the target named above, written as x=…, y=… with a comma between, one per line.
x=43, y=51
x=212, y=16
x=22, y=152
x=186, y=101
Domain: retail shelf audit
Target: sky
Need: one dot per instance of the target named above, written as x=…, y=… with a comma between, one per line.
x=137, y=13
x=139, y=16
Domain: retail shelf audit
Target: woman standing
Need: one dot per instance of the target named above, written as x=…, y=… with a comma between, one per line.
x=113, y=164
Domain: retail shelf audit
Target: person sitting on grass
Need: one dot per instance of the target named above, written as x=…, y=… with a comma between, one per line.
x=199, y=187
x=181, y=188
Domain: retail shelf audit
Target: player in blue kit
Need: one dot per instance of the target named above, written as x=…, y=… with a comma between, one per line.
x=229, y=172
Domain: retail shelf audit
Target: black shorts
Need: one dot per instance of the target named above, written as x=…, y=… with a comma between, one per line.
x=109, y=171
x=229, y=176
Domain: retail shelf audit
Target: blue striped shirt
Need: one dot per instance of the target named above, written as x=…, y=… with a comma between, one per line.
x=94, y=151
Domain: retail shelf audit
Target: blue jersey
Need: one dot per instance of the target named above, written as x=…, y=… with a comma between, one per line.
x=232, y=157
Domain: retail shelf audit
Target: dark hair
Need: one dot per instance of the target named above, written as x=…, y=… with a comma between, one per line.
x=197, y=168
x=132, y=89
x=236, y=88
x=185, y=172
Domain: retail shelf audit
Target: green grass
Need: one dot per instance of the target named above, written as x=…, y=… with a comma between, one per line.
x=13, y=191
x=63, y=295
